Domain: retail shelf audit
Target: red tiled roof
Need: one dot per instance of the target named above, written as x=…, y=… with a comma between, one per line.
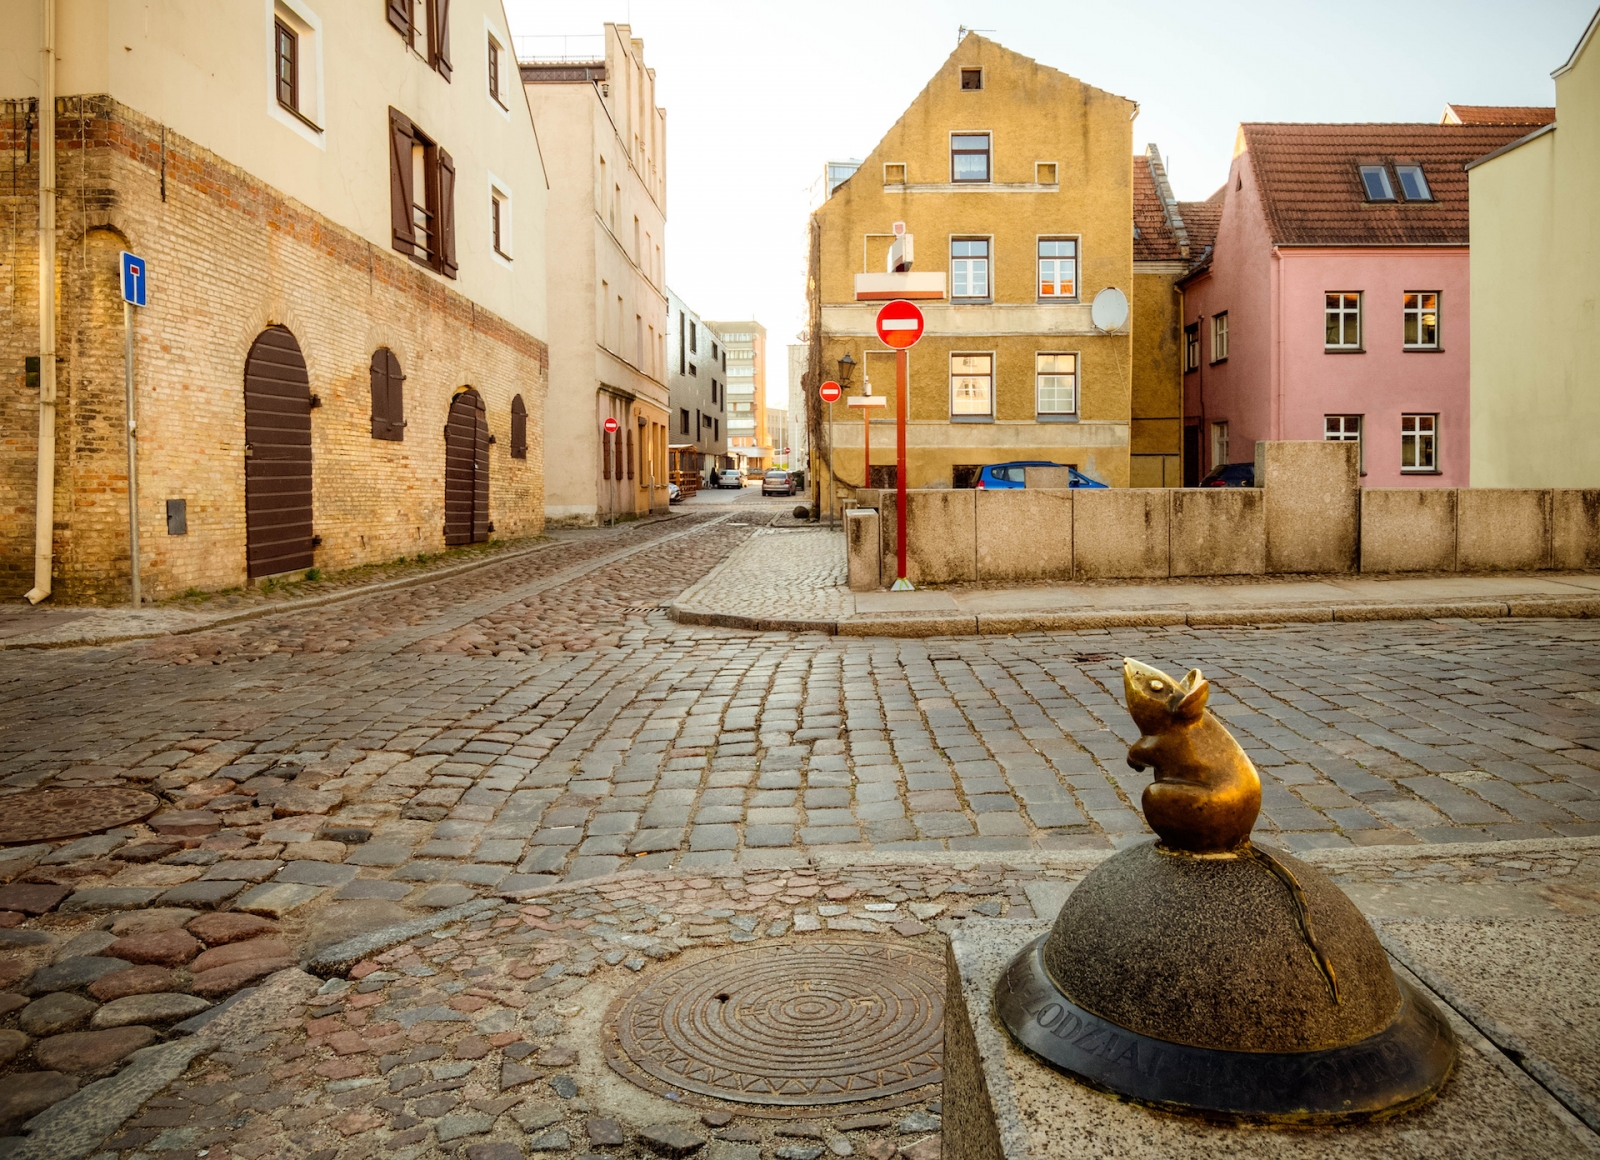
x=1530, y=115
x=1202, y=218
x=1309, y=178
x=1153, y=240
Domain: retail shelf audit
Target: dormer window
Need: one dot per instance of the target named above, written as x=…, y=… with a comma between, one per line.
x=1375, y=179
x=1413, y=184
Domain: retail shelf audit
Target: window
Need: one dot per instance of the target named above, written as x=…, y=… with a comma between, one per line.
x=1191, y=347
x=422, y=192
x=1375, y=180
x=519, y=428
x=1419, y=443
x=1056, y=384
x=1343, y=313
x=971, y=385
x=1413, y=184
x=716, y=429
x=1345, y=429
x=1058, y=268
x=495, y=55
x=693, y=338
x=971, y=80
x=969, y=157
x=683, y=420
x=425, y=27
x=1422, y=320
x=1044, y=172
x=894, y=173
x=1219, y=444
x=1219, y=337
x=286, y=54
x=388, y=402
x=714, y=390
x=500, y=221
x=969, y=268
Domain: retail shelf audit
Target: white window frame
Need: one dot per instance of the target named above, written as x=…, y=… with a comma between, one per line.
x=1412, y=431
x=1342, y=312
x=1419, y=311
x=1191, y=347
x=1219, y=337
x=501, y=193
x=299, y=18
x=1348, y=429
x=1077, y=268
x=1388, y=186
x=989, y=153
x=1427, y=187
x=971, y=416
x=508, y=76
x=964, y=263
x=1219, y=444
x=1075, y=375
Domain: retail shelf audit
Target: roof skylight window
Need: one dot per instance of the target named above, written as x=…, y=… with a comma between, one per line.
x=1376, y=180
x=1413, y=183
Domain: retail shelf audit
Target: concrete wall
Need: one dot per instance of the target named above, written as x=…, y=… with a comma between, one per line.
x=1408, y=529
x=1155, y=533
x=864, y=549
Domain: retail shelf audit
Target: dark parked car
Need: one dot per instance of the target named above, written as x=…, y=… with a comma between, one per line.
x=1004, y=476
x=1231, y=475
x=777, y=482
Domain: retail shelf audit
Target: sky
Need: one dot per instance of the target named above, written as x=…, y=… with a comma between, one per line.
x=760, y=93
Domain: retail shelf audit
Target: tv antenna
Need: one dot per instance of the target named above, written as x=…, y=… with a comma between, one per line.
x=962, y=30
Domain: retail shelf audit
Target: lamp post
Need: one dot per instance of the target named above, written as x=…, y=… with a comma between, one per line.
x=847, y=366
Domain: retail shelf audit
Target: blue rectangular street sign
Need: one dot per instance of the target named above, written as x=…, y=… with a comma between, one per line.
x=135, y=279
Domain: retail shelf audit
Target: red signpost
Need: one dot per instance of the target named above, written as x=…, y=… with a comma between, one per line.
x=900, y=325
x=829, y=391
x=611, y=426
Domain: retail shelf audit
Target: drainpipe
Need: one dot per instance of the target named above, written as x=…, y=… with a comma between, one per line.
x=44, y=506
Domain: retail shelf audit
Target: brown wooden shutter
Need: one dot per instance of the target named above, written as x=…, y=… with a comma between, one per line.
x=519, y=428
x=630, y=452
x=400, y=191
x=605, y=456
x=480, y=475
x=378, y=374
x=446, y=219
x=399, y=12
x=439, y=36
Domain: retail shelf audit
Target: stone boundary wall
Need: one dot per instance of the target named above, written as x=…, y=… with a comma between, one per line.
x=229, y=256
x=1307, y=515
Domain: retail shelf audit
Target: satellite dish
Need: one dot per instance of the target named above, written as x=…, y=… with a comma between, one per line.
x=1110, y=309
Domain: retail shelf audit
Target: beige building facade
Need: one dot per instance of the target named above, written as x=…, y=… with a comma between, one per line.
x=745, y=343
x=1014, y=181
x=341, y=359
x=1535, y=220
x=604, y=142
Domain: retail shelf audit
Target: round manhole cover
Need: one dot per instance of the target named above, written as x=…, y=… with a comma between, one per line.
x=41, y=815
x=792, y=1024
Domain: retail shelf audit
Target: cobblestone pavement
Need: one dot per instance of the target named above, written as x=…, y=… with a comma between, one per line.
x=806, y=566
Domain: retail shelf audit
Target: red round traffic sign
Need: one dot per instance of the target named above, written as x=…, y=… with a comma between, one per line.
x=900, y=324
x=829, y=391
x=611, y=426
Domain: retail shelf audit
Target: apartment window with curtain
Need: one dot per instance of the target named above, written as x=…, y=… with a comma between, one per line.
x=969, y=157
x=1342, y=313
x=1058, y=268
x=1422, y=320
x=1219, y=337
x=1056, y=385
x=1419, y=443
x=969, y=268
x=971, y=386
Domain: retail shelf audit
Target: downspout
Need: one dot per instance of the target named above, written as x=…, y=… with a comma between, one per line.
x=44, y=504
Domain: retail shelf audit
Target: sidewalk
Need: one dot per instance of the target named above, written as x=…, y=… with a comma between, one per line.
x=795, y=581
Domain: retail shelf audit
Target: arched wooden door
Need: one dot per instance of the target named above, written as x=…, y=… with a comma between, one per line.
x=277, y=465
x=466, y=471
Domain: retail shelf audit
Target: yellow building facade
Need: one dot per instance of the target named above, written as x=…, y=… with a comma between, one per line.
x=1013, y=181
x=1535, y=286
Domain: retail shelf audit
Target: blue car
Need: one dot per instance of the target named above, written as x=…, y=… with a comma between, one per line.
x=1002, y=476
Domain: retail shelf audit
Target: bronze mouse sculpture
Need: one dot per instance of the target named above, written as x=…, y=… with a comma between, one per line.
x=1207, y=793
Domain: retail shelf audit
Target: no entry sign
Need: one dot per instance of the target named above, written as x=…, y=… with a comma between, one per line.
x=900, y=324
x=829, y=391
x=611, y=426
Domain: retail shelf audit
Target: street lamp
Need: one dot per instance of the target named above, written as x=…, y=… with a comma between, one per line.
x=846, y=366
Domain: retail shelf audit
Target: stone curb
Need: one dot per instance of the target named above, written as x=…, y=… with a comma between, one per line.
x=310, y=602
x=342, y=956
x=1006, y=624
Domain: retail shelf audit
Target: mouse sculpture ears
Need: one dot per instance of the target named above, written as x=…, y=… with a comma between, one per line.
x=1196, y=690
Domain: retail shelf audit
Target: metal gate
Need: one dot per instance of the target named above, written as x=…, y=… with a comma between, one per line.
x=466, y=471
x=277, y=465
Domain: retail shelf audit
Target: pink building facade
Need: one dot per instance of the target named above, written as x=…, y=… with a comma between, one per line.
x=1327, y=310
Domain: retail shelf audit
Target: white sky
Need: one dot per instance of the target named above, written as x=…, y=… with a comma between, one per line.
x=759, y=93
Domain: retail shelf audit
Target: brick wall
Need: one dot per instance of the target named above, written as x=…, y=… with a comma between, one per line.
x=228, y=256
